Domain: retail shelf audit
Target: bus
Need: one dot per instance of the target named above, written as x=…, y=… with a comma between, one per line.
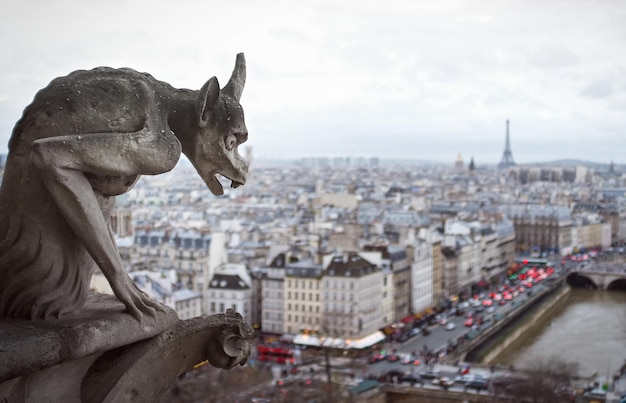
x=530, y=269
x=533, y=262
x=278, y=355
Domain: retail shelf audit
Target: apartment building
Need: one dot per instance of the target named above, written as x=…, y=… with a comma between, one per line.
x=229, y=288
x=394, y=259
x=351, y=297
x=539, y=227
x=302, y=297
x=420, y=254
x=273, y=292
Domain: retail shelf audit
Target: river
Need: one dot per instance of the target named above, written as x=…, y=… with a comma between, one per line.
x=586, y=326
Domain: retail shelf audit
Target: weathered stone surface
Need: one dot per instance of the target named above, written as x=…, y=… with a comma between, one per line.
x=85, y=138
x=102, y=325
x=102, y=370
x=130, y=374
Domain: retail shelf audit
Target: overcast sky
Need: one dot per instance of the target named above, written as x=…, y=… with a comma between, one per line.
x=394, y=79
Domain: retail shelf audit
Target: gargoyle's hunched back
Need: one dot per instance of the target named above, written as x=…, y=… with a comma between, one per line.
x=84, y=139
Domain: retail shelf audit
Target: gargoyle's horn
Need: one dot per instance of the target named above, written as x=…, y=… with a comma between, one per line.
x=237, y=79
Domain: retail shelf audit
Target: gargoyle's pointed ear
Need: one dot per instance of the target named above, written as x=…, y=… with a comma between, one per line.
x=237, y=80
x=209, y=93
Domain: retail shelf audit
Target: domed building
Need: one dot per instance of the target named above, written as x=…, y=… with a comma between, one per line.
x=458, y=163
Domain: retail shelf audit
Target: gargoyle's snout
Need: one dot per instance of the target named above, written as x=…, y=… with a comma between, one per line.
x=235, y=184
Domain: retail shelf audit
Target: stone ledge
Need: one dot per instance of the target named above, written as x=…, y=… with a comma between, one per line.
x=29, y=346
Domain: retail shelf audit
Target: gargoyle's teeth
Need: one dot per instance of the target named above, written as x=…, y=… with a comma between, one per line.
x=235, y=184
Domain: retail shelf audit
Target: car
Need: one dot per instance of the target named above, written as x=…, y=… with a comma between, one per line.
x=431, y=374
x=394, y=373
x=469, y=322
x=413, y=379
x=415, y=331
x=450, y=326
x=444, y=382
x=477, y=384
x=597, y=393
x=502, y=302
x=487, y=302
x=464, y=378
x=374, y=358
x=491, y=309
x=392, y=357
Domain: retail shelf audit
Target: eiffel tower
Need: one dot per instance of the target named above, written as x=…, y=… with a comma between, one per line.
x=507, y=157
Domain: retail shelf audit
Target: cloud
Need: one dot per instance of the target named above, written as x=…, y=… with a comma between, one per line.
x=402, y=78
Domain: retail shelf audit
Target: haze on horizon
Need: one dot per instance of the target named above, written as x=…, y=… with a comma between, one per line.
x=405, y=80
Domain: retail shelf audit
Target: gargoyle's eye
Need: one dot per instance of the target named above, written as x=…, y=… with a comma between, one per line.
x=230, y=142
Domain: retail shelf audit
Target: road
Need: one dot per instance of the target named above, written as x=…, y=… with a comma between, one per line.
x=439, y=338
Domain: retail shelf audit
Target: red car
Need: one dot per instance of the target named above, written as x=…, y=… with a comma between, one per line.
x=376, y=358
x=469, y=322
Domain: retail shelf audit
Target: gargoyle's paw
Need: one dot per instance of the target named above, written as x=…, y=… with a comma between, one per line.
x=135, y=312
x=157, y=306
x=145, y=305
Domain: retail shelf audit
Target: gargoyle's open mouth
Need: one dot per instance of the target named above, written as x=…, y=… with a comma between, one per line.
x=216, y=187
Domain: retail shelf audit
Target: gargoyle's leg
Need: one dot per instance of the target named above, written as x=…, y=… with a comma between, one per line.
x=63, y=162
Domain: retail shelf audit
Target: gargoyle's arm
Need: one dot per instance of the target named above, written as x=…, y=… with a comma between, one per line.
x=63, y=162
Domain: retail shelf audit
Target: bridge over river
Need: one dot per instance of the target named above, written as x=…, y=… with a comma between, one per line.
x=604, y=276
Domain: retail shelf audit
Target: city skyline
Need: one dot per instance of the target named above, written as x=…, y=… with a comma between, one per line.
x=422, y=81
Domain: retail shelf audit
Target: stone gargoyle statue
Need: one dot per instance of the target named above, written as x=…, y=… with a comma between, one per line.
x=84, y=139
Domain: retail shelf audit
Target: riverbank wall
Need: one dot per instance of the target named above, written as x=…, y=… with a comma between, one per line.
x=506, y=338
x=508, y=329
